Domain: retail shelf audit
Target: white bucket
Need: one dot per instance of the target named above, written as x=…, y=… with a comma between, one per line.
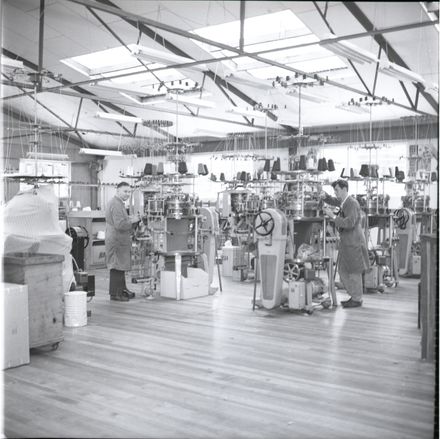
x=75, y=308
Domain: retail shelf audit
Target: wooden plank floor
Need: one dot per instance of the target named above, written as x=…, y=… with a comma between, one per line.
x=213, y=368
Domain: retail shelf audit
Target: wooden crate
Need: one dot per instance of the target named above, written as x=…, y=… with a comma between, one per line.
x=42, y=273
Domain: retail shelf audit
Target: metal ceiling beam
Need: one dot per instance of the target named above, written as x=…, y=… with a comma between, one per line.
x=324, y=17
x=82, y=91
x=138, y=18
x=242, y=17
x=41, y=42
x=112, y=101
x=385, y=45
x=119, y=39
x=19, y=116
x=68, y=84
x=52, y=113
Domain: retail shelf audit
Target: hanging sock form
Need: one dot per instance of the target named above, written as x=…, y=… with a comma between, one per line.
x=200, y=169
x=182, y=168
x=222, y=176
x=433, y=176
x=243, y=176
x=302, y=162
x=205, y=168
x=266, y=166
x=351, y=173
x=213, y=177
x=273, y=176
x=331, y=165
x=160, y=170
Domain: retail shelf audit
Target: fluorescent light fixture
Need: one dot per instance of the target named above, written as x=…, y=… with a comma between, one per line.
x=185, y=100
x=8, y=62
x=348, y=50
x=353, y=108
x=246, y=112
x=105, y=152
x=159, y=56
x=249, y=80
x=392, y=69
x=118, y=117
x=210, y=133
x=145, y=100
x=306, y=96
x=46, y=156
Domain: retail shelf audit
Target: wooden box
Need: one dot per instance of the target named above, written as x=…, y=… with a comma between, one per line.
x=15, y=325
x=42, y=273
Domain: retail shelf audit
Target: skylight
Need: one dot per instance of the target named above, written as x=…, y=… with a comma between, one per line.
x=120, y=61
x=266, y=32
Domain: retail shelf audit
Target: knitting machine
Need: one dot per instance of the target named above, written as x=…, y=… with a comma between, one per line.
x=409, y=244
x=303, y=275
x=175, y=240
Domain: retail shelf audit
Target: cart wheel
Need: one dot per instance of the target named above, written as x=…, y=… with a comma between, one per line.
x=55, y=346
x=309, y=312
x=381, y=288
x=291, y=271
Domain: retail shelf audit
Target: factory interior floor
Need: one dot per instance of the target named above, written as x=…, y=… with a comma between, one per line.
x=211, y=367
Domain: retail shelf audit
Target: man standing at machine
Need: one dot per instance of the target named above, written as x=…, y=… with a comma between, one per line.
x=119, y=226
x=353, y=253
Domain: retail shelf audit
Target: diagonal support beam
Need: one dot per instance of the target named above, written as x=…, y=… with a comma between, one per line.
x=177, y=51
x=407, y=95
x=385, y=45
x=324, y=17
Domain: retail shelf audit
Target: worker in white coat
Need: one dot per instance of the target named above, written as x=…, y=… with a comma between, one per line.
x=119, y=228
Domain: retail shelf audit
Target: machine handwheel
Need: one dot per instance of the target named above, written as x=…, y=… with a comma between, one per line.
x=291, y=271
x=263, y=223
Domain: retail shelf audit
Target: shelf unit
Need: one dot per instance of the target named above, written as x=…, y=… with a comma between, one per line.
x=93, y=221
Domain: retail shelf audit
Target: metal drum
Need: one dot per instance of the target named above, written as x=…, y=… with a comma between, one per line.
x=280, y=200
x=372, y=206
x=238, y=202
x=252, y=204
x=267, y=202
x=421, y=203
x=156, y=206
x=293, y=205
x=311, y=208
x=177, y=206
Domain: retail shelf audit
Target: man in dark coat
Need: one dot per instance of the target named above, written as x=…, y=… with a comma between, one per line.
x=119, y=226
x=353, y=253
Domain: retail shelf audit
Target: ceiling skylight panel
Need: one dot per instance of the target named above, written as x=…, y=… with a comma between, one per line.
x=102, y=61
x=282, y=42
x=318, y=65
x=264, y=28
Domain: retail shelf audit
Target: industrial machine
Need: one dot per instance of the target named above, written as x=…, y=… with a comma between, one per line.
x=174, y=247
x=271, y=227
x=409, y=252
